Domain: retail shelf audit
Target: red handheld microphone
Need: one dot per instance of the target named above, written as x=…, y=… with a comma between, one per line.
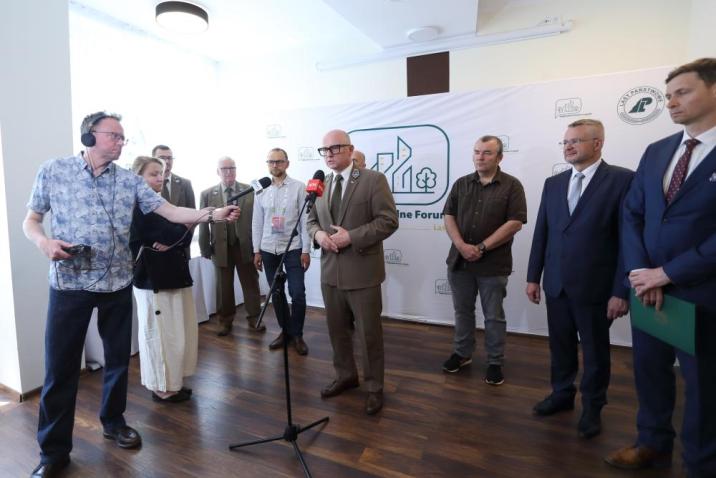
x=314, y=188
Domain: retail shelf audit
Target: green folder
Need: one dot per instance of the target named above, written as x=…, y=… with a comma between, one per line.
x=674, y=323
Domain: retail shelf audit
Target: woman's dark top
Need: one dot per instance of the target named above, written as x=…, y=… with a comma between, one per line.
x=159, y=270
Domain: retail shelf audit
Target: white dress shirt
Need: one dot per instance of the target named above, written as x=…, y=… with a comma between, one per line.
x=588, y=175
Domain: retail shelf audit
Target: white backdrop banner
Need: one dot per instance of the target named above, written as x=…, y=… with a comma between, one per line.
x=423, y=144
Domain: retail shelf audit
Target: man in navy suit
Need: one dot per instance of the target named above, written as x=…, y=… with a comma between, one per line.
x=669, y=247
x=576, y=238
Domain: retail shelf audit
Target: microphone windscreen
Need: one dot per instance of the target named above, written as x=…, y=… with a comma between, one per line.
x=320, y=175
x=265, y=182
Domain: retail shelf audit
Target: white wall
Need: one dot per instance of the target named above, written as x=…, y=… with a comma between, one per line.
x=702, y=37
x=608, y=36
x=9, y=358
x=165, y=95
x=35, y=115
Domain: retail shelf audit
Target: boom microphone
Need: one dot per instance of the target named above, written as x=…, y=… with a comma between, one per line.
x=256, y=186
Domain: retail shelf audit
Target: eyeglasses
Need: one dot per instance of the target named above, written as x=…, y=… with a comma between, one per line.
x=334, y=149
x=574, y=142
x=228, y=169
x=116, y=137
x=166, y=158
x=275, y=162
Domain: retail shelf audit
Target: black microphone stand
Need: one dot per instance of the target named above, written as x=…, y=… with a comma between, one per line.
x=283, y=314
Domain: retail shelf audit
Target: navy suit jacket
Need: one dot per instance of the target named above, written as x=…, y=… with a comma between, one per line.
x=681, y=236
x=579, y=254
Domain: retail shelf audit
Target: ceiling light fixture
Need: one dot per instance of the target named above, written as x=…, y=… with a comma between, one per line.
x=182, y=17
x=418, y=35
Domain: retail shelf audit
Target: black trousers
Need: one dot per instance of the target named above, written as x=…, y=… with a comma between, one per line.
x=571, y=322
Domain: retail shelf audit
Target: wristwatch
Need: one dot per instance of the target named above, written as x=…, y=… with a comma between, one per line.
x=211, y=217
x=482, y=247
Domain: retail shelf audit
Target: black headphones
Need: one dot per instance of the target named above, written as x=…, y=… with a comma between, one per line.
x=88, y=138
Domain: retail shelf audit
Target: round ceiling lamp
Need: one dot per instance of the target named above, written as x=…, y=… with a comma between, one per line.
x=423, y=34
x=182, y=17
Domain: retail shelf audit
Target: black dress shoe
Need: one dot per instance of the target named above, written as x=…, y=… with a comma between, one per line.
x=550, y=406
x=180, y=396
x=49, y=470
x=374, y=403
x=336, y=388
x=187, y=390
x=277, y=343
x=300, y=346
x=125, y=436
x=590, y=424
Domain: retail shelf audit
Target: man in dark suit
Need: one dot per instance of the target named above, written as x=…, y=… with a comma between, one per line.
x=350, y=222
x=229, y=246
x=177, y=190
x=669, y=247
x=577, y=237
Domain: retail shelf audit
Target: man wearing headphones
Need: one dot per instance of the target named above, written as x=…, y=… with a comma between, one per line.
x=91, y=200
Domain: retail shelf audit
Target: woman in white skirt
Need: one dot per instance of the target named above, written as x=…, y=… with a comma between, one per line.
x=162, y=289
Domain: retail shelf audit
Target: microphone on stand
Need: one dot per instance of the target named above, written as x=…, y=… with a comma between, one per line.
x=257, y=186
x=314, y=188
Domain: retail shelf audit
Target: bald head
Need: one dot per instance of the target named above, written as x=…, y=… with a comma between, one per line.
x=358, y=158
x=337, y=149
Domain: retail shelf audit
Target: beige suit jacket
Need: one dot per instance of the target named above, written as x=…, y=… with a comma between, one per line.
x=368, y=213
x=218, y=249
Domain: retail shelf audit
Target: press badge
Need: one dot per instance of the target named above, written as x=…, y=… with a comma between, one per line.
x=278, y=224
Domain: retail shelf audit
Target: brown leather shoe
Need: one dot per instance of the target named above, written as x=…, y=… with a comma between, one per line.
x=277, y=342
x=300, y=346
x=252, y=324
x=374, y=402
x=224, y=328
x=637, y=457
x=336, y=388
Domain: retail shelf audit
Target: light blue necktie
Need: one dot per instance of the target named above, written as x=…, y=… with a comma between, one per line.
x=575, y=190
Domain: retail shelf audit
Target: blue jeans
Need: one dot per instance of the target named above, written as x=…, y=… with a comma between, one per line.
x=296, y=288
x=68, y=317
x=465, y=286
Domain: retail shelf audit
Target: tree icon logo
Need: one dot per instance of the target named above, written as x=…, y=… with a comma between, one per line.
x=426, y=179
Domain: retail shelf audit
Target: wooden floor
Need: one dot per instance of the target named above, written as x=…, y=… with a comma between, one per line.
x=433, y=425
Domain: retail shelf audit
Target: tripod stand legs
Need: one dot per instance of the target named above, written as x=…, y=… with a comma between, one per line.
x=290, y=434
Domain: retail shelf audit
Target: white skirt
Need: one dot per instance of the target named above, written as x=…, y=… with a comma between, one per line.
x=168, y=337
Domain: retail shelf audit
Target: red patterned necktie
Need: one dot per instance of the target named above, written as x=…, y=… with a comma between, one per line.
x=682, y=165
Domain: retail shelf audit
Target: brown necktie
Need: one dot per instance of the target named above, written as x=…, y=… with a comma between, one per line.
x=682, y=166
x=336, y=198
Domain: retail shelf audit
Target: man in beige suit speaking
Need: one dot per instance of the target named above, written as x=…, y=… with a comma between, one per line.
x=229, y=246
x=349, y=222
